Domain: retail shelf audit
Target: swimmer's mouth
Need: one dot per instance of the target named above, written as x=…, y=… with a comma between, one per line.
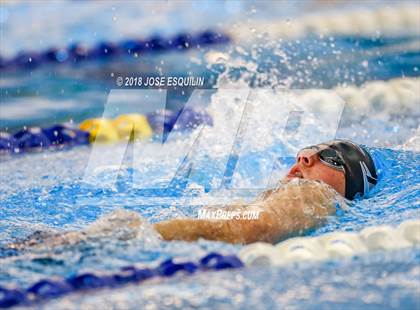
x=295, y=174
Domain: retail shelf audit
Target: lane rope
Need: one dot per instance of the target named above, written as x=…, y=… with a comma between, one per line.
x=78, y=52
x=47, y=289
x=329, y=246
x=333, y=245
x=386, y=21
x=124, y=127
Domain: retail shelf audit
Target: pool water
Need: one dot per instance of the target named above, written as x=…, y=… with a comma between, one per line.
x=48, y=191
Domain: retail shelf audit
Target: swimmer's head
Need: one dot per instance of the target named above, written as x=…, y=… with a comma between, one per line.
x=342, y=164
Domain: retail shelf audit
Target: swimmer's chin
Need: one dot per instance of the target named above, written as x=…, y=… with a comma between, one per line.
x=297, y=180
x=292, y=178
x=318, y=185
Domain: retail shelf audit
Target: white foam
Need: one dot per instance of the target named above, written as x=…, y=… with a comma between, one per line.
x=413, y=142
x=378, y=103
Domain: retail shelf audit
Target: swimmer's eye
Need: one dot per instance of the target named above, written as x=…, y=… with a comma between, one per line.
x=331, y=158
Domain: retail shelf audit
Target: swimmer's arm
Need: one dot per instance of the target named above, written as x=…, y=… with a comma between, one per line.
x=284, y=213
x=232, y=231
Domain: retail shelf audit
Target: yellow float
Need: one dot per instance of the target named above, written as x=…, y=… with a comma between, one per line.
x=132, y=127
x=100, y=129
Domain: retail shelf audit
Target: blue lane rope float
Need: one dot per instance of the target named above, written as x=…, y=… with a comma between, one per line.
x=164, y=121
x=46, y=289
x=124, y=127
x=190, y=119
x=37, y=138
x=78, y=52
x=62, y=134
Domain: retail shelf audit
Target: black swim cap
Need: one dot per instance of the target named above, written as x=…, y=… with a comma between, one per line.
x=360, y=171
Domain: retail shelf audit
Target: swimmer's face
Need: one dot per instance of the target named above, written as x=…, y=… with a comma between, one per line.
x=308, y=166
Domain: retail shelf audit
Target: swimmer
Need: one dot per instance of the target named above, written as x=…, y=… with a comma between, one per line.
x=302, y=201
x=321, y=175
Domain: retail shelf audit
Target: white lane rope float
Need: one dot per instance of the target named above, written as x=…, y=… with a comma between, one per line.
x=333, y=245
x=386, y=21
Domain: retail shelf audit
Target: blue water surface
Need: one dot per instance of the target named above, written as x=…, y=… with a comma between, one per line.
x=47, y=192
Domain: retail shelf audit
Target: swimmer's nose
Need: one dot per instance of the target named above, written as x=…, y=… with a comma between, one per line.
x=305, y=159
